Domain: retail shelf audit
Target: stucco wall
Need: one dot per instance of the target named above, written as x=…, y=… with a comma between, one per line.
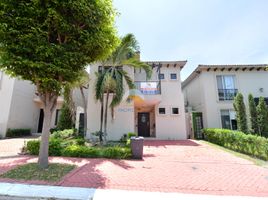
x=23, y=113
x=246, y=82
x=6, y=91
x=124, y=113
x=171, y=126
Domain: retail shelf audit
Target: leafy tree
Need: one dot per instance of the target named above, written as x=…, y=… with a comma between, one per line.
x=49, y=42
x=66, y=119
x=262, y=116
x=253, y=114
x=111, y=79
x=82, y=83
x=241, y=116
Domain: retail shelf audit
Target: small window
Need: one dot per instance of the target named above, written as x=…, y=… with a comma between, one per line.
x=173, y=76
x=161, y=76
x=175, y=111
x=57, y=116
x=162, y=111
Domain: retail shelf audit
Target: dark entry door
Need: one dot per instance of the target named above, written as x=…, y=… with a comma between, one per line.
x=41, y=121
x=198, y=125
x=144, y=124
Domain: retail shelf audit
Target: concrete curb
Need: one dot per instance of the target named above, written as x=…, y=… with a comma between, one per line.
x=10, y=191
x=24, y=191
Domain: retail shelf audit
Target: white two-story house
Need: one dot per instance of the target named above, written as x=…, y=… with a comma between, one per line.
x=210, y=90
x=21, y=108
x=156, y=111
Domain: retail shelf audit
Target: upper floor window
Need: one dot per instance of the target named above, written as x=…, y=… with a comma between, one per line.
x=162, y=111
x=226, y=87
x=175, y=110
x=173, y=76
x=161, y=76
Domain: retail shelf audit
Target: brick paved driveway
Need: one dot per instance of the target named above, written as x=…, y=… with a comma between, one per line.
x=168, y=166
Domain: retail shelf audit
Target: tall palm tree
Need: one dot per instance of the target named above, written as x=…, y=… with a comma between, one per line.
x=112, y=77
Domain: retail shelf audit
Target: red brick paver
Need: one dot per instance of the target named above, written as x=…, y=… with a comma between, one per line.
x=168, y=166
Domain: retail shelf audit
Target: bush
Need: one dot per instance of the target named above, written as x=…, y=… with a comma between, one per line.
x=130, y=134
x=238, y=141
x=32, y=147
x=63, y=134
x=80, y=151
x=18, y=132
x=58, y=147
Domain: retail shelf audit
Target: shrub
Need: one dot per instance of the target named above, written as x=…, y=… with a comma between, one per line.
x=80, y=141
x=63, y=134
x=32, y=147
x=80, y=151
x=238, y=141
x=116, y=152
x=18, y=132
x=240, y=110
x=130, y=134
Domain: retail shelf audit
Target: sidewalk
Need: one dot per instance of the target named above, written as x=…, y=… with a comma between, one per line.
x=10, y=191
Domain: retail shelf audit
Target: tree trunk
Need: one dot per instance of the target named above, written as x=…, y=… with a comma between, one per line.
x=50, y=101
x=106, y=115
x=85, y=110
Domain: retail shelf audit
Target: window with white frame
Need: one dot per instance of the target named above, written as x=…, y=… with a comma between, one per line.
x=228, y=120
x=161, y=76
x=175, y=111
x=161, y=111
x=173, y=76
x=226, y=87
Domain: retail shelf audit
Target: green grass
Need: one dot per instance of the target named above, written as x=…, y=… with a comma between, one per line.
x=255, y=160
x=32, y=171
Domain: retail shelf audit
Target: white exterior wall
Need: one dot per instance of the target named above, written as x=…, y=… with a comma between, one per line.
x=124, y=113
x=6, y=91
x=23, y=112
x=171, y=126
x=246, y=82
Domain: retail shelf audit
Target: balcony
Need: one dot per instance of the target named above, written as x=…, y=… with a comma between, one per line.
x=227, y=94
x=148, y=87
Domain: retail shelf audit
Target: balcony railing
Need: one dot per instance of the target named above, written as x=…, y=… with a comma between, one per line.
x=227, y=94
x=148, y=87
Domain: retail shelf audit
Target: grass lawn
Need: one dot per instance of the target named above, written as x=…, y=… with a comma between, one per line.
x=32, y=171
x=256, y=161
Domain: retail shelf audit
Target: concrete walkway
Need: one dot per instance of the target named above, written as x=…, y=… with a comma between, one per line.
x=188, y=167
x=12, y=147
x=10, y=191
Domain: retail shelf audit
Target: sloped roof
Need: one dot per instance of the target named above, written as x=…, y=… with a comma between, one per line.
x=221, y=67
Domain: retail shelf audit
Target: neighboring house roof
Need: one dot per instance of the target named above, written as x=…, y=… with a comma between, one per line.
x=197, y=71
x=181, y=64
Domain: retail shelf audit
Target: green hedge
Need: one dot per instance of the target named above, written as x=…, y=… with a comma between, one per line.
x=32, y=147
x=57, y=148
x=18, y=132
x=238, y=141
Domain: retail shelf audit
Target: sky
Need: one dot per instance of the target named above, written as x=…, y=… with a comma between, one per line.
x=199, y=31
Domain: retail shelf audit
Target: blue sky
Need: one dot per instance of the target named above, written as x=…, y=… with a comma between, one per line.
x=199, y=31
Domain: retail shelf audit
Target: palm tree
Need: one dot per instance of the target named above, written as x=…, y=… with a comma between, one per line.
x=112, y=77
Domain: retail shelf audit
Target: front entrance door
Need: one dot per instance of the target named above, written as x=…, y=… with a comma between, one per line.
x=144, y=124
x=41, y=121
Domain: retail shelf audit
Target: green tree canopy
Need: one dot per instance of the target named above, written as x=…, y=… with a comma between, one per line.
x=49, y=42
